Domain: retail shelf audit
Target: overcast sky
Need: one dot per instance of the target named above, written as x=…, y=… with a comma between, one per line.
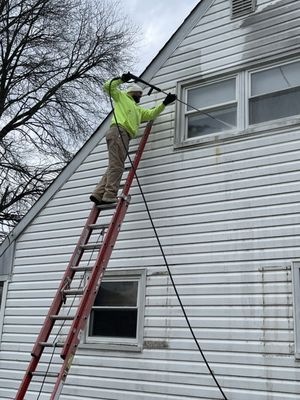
x=157, y=20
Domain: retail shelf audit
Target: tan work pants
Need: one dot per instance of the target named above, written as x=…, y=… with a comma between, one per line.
x=117, y=151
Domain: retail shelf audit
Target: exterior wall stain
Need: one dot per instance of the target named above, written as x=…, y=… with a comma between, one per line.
x=155, y=344
x=262, y=38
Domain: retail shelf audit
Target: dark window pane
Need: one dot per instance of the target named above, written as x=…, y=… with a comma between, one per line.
x=274, y=106
x=117, y=294
x=1, y=291
x=113, y=323
x=202, y=124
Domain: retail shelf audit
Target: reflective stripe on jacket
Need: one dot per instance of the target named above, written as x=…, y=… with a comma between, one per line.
x=128, y=113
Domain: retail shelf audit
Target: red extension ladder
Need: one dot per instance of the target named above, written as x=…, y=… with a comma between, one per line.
x=88, y=293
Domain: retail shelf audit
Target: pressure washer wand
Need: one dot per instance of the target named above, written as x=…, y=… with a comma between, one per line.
x=152, y=87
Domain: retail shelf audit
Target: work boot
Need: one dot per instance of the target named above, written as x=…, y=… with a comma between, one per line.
x=109, y=198
x=96, y=199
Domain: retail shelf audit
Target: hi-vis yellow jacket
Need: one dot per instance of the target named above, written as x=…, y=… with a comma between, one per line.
x=128, y=113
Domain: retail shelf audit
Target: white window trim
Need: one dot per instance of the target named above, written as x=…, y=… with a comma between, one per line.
x=243, y=96
x=181, y=112
x=278, y=123
x=124, y=344
x=3, y=303
x=296, y=305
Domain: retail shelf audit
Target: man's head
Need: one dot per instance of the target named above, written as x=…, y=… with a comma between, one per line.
x=135, y=91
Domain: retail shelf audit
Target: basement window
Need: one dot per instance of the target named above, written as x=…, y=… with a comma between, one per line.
x=118, y=311
x=240, y=8
x=296, y=292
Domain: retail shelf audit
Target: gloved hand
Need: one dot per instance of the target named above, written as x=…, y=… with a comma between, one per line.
x=126, y=77
x=169, y=99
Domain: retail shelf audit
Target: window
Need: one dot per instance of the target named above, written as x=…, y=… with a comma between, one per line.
x=240, y=8
x=249, y=101
x=275, y=93
x=296, y=290
x=118, y=312
x=216, y=98
x=3, y=291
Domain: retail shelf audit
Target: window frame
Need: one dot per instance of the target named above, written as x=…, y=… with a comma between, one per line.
x=4, y=280
x=274, y=122
x=243, y=88
x=116, y=343
x=184, y=113
x=296, y=305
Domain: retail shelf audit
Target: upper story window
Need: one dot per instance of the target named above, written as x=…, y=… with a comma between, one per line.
x=240, y=8
x=275, y=93
x=117, y=314
x=216, y=98
x=248, y=101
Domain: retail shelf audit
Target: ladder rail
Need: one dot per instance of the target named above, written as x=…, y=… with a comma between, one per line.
x=88, y=298
x=67, y=278
x=104, y=254
x=55, y=306
x=101, y=262
x=90, y=292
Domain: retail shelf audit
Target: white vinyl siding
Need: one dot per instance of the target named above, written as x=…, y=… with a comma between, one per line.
x=228, y=216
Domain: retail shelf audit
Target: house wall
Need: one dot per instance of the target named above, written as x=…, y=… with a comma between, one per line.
x=228, y=215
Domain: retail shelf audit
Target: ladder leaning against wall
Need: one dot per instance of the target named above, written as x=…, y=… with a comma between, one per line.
x=89, y=292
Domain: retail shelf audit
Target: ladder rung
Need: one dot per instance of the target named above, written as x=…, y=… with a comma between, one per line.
x=48, y=344
x=91, y=246
x=49, y=374
x=83, y=268
x=107, y=206
x=99, y=226
x=62, y=317
x=73, y=291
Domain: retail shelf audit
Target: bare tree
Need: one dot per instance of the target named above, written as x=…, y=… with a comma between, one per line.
x=54, y=56
x=20, y=184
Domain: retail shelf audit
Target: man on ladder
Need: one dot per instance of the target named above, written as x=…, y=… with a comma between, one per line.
x=124, y=126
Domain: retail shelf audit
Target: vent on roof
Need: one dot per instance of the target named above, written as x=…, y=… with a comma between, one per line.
x=240, y=8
